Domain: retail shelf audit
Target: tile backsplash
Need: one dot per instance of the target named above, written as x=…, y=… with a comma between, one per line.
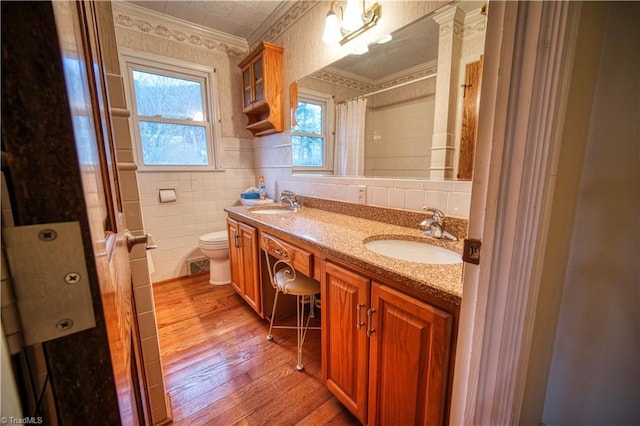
x=452, y=197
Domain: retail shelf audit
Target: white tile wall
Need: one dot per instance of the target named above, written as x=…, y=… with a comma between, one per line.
x=199, y=208
x=398, y=139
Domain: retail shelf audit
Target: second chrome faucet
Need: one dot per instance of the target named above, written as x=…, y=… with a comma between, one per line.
x=291, y=198
x=435, y=227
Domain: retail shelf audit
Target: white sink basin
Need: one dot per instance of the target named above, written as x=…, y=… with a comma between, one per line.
x=414, y=251
x=271, y=211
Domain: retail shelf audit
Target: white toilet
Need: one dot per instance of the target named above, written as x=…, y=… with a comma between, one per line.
x=215, y=245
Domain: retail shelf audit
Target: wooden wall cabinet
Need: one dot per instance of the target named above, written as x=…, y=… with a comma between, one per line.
x=385, y=354
x=244, y=259
x=262, y=97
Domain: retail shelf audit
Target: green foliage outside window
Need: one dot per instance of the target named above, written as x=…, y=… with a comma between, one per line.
x=307, y=137
x=171, y=119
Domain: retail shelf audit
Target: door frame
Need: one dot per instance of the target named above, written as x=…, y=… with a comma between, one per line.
x=44, y=177
x=524, y=94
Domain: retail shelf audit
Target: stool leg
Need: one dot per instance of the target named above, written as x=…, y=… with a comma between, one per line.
x=300, y=322
x=302, y=327
x=273, y=314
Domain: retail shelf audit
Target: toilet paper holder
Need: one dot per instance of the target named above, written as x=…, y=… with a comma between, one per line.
x=167, y=195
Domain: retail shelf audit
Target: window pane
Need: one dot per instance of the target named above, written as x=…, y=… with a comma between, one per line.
x=309, y=118
x=259, y=83
x=173, y=144
x=307, y=151
x=168, y=97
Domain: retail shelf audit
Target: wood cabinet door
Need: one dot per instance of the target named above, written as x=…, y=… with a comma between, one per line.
x=345, y=345
x=258, y=81
x=245, y=265
x=249, y=265
x=253, y=85
x=409, y=360
x=235, y=256
x=247, y=88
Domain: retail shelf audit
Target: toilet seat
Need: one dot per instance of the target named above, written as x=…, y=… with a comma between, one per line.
x=214, y=239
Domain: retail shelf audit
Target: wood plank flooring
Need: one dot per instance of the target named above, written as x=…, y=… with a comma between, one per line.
x=219, y=368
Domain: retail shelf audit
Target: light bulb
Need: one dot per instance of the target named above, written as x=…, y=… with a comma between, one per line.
x=332, y=34
x=352, y=16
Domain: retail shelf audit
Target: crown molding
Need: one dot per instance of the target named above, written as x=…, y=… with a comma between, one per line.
x=462, y=25
x=351, y=81
x=135, y=18
x=410, y=74
x=342, y=80
x=475, y=23
x=280, y=19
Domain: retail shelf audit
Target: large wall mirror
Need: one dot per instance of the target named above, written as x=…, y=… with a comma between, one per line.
x=407, y=108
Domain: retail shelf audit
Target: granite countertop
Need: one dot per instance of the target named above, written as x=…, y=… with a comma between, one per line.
x=343, y=236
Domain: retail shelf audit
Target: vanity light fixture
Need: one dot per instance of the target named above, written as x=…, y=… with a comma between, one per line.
x=355, y=21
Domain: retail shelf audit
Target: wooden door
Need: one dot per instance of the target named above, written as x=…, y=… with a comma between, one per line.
x=345, y=345
x=61, y=168
x=409, y=356
x=469, y=132
x=79, y=33
x=102, y=195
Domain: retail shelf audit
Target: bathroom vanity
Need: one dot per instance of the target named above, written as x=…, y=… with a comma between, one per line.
x=389, y=325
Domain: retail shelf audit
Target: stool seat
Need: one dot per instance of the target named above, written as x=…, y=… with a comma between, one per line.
x=302, y=285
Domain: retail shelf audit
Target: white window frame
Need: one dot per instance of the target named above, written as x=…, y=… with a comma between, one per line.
x=328, y=133
x=134, y=60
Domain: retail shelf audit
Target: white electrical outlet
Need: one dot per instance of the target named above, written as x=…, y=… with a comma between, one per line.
x=362, y=194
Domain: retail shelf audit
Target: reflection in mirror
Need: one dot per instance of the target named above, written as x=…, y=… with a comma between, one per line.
x=408, y=107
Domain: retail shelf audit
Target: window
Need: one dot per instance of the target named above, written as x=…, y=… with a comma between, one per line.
x=311, y=141
x=171, y=115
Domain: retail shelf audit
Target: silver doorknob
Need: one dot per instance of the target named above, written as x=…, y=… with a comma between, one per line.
x=145, y=239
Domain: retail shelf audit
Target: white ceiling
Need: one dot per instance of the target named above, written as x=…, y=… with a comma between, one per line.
x=237, y=17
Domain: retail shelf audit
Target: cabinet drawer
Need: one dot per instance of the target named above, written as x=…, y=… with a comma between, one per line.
x=301, y=259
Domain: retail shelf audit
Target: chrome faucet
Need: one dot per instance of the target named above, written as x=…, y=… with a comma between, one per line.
x=291, y=198
x=434, y=227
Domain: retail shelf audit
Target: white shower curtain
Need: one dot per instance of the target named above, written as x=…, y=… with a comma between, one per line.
x=349, y=158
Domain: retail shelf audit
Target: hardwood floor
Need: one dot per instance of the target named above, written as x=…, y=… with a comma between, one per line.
x=219, y=368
